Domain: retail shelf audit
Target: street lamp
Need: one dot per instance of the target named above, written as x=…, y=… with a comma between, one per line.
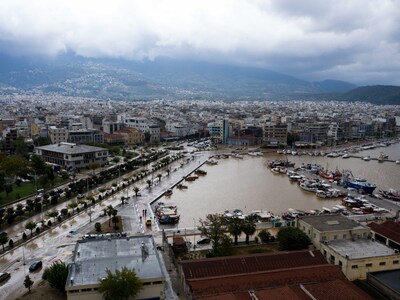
x=194, y=233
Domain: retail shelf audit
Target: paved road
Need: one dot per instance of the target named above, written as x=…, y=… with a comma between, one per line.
x=58, y=243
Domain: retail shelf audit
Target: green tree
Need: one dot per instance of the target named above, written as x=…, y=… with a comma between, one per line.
x=235, y=226
x=8, y=188
x=136, y=190
x=97, y=226
x=53, y=214
x=73, y=205
x=28, y=282
x=3, y=240
x=264, y=236
x=110, y=212
x=56, y=275
x=249, y=227
x=292, y=238
x=121, y=285
x=43, y=180
x=21, y=148
x=30, y=226
x=38, y=164
x=12, y=165
x=42, y=141
x=2, y=180
x=215, y=228
x=149, y=183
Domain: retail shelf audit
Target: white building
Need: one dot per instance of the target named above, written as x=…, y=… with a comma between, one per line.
x=69, y=155
x=58, y=135
x=93, y=257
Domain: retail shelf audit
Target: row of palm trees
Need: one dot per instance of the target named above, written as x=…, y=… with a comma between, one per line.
x=237, y=226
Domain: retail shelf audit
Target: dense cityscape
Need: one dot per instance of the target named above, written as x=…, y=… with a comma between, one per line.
x=78, y=171
x=199, y=150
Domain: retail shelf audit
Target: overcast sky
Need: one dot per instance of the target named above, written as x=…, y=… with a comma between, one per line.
x=354, y=40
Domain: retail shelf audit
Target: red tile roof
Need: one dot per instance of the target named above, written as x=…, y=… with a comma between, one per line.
x=262, y=280
x=248, y=264
x=388, y=229
x=336, y=290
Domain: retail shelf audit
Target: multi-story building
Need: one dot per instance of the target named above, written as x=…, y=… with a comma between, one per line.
x=387, y=233
x=83, y=136
x=219, y=131
x=72, y=156
x=360, y=256
x=131, y=136
x=93, y=257
x=275, y=134
x=110, y=126
x=323, y=228
x=144, y=125
x=58, y=134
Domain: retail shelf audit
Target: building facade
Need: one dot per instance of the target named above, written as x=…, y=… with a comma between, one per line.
x=326, y=228
x=72, y=156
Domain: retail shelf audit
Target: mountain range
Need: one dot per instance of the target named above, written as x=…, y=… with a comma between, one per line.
x=173, y=79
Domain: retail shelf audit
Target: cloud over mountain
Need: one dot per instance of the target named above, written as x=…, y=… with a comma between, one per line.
x=350, y=40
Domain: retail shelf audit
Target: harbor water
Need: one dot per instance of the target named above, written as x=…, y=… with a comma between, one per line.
x=248, y=184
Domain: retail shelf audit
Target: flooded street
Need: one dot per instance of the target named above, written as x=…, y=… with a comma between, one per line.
x=248, y=184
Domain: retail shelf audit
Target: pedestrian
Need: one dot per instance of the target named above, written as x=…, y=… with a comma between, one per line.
x=140, y=219
x=145, y=212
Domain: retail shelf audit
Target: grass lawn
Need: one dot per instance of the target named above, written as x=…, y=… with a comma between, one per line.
x=25, y=189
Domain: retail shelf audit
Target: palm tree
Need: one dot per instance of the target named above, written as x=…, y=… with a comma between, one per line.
x=159, y=177
x=122, y=285
x=235, y=227
x=149, y=183
x=249, y=227
x=136, y=190
x=110, y=211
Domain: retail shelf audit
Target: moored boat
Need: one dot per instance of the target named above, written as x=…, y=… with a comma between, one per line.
x=362, y=185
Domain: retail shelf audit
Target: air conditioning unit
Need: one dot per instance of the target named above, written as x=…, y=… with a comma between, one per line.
x=326, y=242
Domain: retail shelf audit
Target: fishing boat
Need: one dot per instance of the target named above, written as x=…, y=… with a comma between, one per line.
x=169, y=219
x=362, y=185
x=346, y=155
x=200, y=172
x=168, y=192
x=181, y=186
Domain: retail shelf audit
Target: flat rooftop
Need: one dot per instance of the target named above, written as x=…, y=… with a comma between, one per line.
x=332, y=223
x=389, y=278
x=360, y=248
x=93, y=257
x=70, y=148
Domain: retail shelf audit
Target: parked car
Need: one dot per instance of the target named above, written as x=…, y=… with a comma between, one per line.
x=35, y=266
x=203, y=241
x=4, y=276
x=80, y=196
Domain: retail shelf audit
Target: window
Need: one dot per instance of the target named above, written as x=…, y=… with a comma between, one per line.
x=344, y=236
x=354, y=266
x=368, y=265
x=395, y=262
x=315, y=235
x=146, y=283
x=309, y=231
x=157, y=282
x=86, y=290
x=335, y=237
x=382, y=263
x=340, y=263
